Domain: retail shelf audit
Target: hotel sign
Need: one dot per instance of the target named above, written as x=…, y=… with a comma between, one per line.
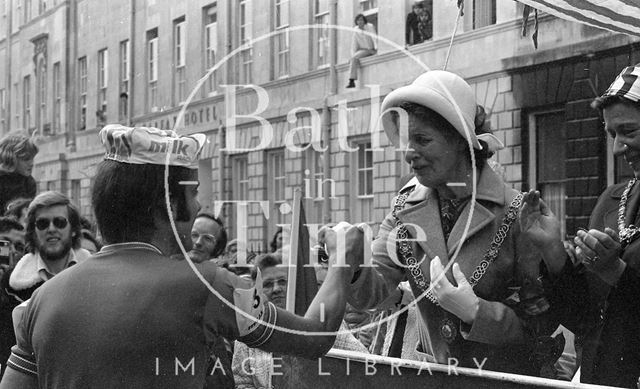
x=205, y=117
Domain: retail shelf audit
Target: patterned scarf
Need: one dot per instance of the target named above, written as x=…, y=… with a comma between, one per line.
x=450, y=210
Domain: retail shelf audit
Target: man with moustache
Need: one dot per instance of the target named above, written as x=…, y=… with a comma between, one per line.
x=53, y=241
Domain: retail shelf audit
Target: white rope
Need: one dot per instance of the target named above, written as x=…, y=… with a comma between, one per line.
x=455, y=29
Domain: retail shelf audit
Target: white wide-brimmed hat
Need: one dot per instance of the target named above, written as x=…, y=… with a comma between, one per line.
x=445, y=93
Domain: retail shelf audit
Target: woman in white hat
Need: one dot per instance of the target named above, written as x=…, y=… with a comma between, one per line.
x=458, y=217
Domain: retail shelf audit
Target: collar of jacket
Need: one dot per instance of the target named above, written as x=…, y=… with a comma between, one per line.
x=26, y=273
x=490, y=187
x=615, y=194
x=421, y=209
x=618, y=189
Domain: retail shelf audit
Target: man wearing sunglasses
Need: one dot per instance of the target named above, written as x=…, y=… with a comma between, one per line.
x=53, y=241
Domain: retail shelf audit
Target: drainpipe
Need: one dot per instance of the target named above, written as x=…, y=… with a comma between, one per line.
x=8, y=67
x=221, y=161
x=326, y=167
x=132, y=62
x=333, y=56
x=326, y=111
x=222, y=131
x=72, y=80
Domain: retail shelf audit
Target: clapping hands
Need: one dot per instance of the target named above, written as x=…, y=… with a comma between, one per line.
x=539, y=224
x=600, y=253
x=537, y=220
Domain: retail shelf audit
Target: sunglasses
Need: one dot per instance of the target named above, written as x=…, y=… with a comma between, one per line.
x=59, y=222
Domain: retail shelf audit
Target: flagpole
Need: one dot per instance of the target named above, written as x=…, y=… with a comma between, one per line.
x=293, y=251
x=453, y=34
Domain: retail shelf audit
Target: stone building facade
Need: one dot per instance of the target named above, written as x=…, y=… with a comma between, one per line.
x=72, y=66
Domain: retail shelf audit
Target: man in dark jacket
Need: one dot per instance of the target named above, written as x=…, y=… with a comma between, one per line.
x=11, y=249
x=412, y=34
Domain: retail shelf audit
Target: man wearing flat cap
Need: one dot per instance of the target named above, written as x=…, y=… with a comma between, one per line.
x=598, y=298
x=131, y=316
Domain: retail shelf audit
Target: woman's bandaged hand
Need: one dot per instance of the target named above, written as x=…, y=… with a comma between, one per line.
x=459, y=300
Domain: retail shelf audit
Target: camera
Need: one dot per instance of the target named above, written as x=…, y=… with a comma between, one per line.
x=5, y=252
x=323, y=257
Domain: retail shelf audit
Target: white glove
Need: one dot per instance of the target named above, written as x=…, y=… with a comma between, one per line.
x=459, y=300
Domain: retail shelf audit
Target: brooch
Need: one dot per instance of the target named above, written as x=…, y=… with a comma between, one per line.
x=448, y=330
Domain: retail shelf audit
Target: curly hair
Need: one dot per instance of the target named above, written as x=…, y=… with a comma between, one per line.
x=8, y=223
x=481, y=123
x=602, y=102
x=265, y=261
x=16, y=145
x=360, y=16
x=16, y=206
x=48, y=200
x=88, y=235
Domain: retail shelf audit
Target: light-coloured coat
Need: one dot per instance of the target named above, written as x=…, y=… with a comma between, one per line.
x=499, y=332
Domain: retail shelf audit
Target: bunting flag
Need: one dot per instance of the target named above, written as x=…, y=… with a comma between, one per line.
x=302, y=285
x=614, y=15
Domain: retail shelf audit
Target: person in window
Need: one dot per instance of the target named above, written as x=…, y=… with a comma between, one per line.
x=412, y=34
x=597, y=296
x=363, y=44
x=454, y=232
x=17, y=151
x=425, y=27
